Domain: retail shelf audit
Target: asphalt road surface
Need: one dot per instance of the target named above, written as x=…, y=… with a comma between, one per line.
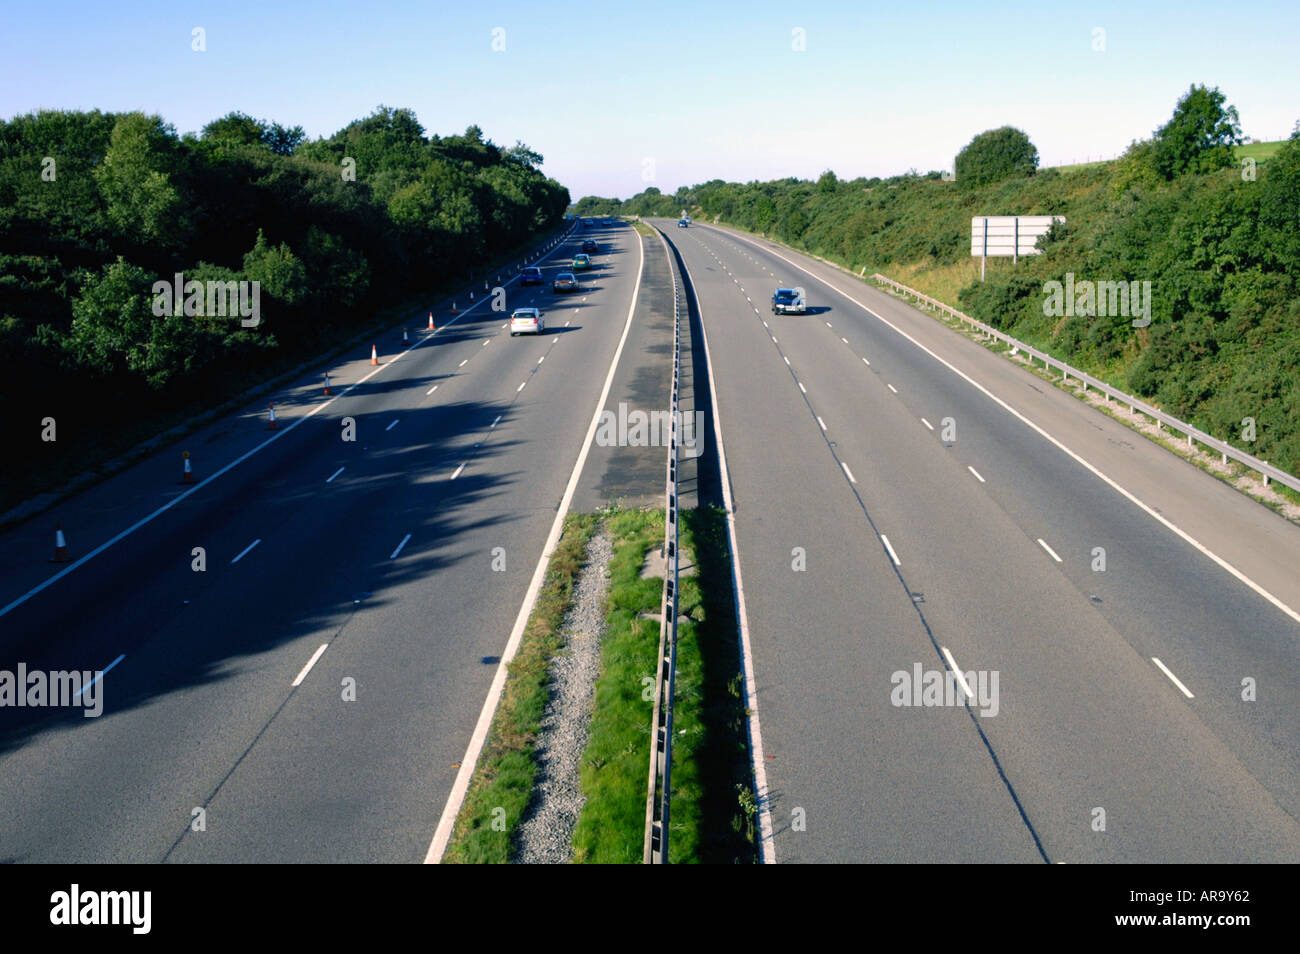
x=905, y=498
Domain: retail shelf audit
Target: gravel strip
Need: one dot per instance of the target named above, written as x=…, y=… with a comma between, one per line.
x=545, y=834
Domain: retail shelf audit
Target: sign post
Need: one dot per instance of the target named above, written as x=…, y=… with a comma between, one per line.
x=1003, y=235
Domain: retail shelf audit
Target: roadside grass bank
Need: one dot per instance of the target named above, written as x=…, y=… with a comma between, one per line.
x=712, y=810
x=502, y=786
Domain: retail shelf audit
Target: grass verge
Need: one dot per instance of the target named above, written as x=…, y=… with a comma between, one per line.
x=712, y=819
x=503, y=781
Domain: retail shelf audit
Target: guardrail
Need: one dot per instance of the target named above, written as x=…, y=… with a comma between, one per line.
x=1193, y=435
x=661, y=726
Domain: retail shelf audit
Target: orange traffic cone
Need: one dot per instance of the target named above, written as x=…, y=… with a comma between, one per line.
x=270, y=424
x=374, y=354
x=453, y=309
x=60, y=546
x=327, y=382
x=187, y=475
x=431, y=327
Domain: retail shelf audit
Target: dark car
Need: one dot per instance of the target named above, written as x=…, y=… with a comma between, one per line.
x=589, y=245
x=788, y=301
x=682, y=223
x=565, y=282
x=532, y=275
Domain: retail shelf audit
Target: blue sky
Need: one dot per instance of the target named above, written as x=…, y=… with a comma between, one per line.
x=701, y=90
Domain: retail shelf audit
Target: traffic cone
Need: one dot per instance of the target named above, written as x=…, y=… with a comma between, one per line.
x=60, y=545
x=187, y=475
x=406, y=337
x=471, y=294
x=431, y=327
x=327, y=382
x=374, y=355
x=453, y=309
x=270, y=424
x=485, y=284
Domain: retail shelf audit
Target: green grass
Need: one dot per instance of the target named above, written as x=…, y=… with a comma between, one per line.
x=615, y=763
x=709, y=821
x=1261, y=152
x=712, y=819
x=507, y=766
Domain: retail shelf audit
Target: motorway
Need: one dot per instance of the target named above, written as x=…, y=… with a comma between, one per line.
x=904, y=497
x=313, y=690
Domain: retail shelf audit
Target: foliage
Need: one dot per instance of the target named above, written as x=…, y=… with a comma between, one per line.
x=95, y=207
x=996, y=155
x=1199, y=137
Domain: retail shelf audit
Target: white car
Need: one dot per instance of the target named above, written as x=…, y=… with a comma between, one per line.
x=527, y=321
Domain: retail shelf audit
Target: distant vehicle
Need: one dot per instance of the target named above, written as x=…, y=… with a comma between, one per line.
x=527, y=321
x=565, y=282
x=683, y=223
x=581, y=261
x=532, y=275
x=589, y=245
x=788, y=301
x=586, y=223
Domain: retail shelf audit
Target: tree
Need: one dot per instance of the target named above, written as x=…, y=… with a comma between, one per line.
x=1199, y=136
x=828, y=182
x=114, y=328
x=996, y=155
x=135, y=182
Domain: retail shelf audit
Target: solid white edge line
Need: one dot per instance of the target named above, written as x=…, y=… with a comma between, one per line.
x=244, y=551
x=393, y=555
x=766, y=839
x=1163, y=520
x=1176, y=681
x=336, y=473
x=19, y=601
x=1043, y=543
x=892, y=555
x=302, y=673
x=956, y=671
x=976, y=473
x=456, y=797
